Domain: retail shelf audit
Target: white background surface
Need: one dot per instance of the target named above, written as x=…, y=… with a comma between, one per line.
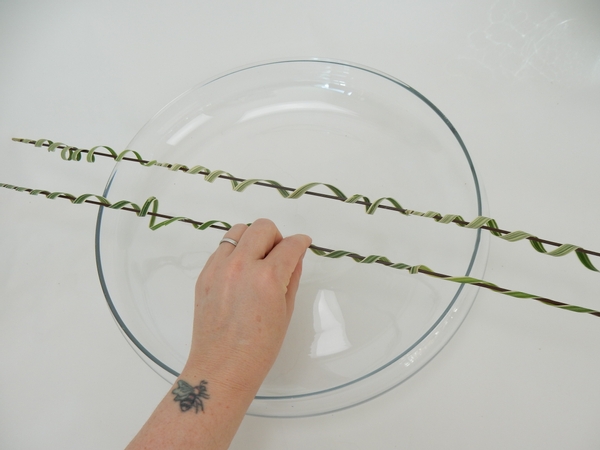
x=520, y=80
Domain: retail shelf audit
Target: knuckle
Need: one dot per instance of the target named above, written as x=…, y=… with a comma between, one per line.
x=239, y=226
x=265, y=223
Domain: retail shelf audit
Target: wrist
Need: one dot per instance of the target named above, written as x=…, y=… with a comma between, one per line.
x=224, y=384
x=237, y=369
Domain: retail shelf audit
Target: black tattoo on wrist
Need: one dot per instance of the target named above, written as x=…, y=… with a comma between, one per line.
x=190, y=396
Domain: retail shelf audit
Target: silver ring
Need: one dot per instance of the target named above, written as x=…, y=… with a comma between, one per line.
x=230, y=241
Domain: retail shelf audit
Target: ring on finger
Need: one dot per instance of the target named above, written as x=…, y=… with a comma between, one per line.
x=229, y=241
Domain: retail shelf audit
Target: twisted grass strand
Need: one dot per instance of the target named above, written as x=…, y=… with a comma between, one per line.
x=150, y=208
x=70, y=153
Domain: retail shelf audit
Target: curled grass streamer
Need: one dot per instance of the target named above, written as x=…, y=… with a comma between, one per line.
x=70, y=153
x=150, y=208
x=462, y=280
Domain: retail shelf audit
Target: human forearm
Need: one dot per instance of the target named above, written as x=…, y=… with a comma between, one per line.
x=207, y=422
x=244, y=302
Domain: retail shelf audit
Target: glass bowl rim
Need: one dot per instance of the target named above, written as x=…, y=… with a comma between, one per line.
x=139, y=347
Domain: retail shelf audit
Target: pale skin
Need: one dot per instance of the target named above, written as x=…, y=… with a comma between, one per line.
x=244, y=300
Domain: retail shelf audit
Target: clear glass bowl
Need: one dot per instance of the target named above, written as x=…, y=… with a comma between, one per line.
x=358, y=330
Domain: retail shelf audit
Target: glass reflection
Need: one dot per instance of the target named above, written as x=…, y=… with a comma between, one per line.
x=329, y=325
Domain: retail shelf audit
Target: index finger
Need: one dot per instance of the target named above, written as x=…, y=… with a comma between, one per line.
x=259, y=239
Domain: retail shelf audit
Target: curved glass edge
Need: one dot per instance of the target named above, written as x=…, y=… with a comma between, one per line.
x=137, y=346
x=297, y=406
x=158, y=365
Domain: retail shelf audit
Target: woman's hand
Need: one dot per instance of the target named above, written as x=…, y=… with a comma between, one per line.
x=244, y=302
